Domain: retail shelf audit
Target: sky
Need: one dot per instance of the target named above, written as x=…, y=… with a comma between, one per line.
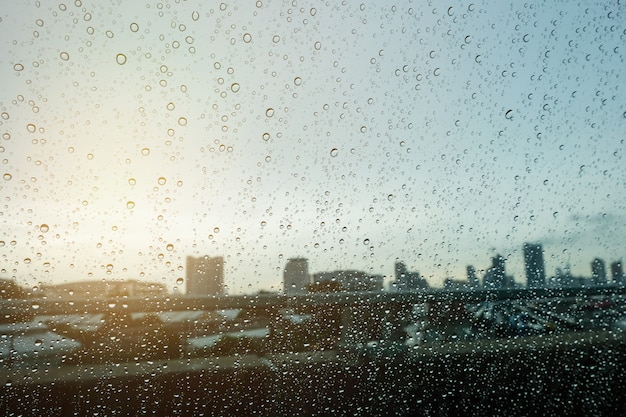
x=135, y=134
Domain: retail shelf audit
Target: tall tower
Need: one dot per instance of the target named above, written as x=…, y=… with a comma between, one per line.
x=472, y=279
x=535, y=268
x=617, y=272
x=598, y=271
x=205, y=275
x=296, y=276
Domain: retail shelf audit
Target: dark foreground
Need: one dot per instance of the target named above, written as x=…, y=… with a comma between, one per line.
x=586, y=378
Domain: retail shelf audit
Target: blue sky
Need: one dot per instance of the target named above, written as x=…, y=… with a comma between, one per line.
x=349, y=134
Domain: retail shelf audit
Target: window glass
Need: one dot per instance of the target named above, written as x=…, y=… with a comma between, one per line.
x=157, y=155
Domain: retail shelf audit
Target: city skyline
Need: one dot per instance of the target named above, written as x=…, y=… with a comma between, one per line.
x=206, y=274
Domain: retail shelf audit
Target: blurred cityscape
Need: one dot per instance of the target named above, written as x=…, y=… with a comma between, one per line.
x=347, y=318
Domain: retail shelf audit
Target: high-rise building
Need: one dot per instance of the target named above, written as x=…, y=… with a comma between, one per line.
x=598, y=271
x=617, y=273
x=496, y=277
x=296, y=276
x=535, y=268
x=205, y=275
x=408, y=281
x=472, y=279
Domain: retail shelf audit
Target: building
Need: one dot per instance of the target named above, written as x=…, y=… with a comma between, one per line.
x=9, y=289
x=472, y=279
x=408, y=281
x=104, y=289
x=535, y=267
x=296, y=276
x=496, y=277
x=598, y=272
x=353, y=281
x=205, y=275
x=617, y=273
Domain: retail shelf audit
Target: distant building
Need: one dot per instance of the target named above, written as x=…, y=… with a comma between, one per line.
x=472, y=279
x=455, y=284
x=103, y=289
x=205, y=275
x=496, y=277
x=408, y=281
x=535, y=268
x=9, y=289
x=598, y=272
x=296, y=276
x=353, y=281
x=617, y=273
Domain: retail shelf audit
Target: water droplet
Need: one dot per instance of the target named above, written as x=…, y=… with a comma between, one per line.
x=317, y=45
x=195, y=16
x=134, y=27
x=247, y=38
x=216, y=229
x=7, y=176
x=366, y=242
x=145, y=151
x=44, y=228
x=64, y=56
x=18, y=67
x=27, y=261
x=132, y=181
x=269, y=112
x=266, y=136
x=120, y=59
x=31, y=128
x=179, y=281
x=509, y=115
x=334, y=152
x=234, y=87
x=35, y=306
x=169, y=247
x=38, y=342
x=170, y=106
x=390, y=197
x=182, y=121
x=276, y=39
x=162, y=180
x=109, y=267
x=297, y=81
x=130, y=205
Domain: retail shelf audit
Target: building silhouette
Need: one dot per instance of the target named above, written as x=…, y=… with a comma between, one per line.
x=496, y=277
x=349, y=280
x=296, y=276
x=103, y=289
x=472, y=279
x=598, y=272
x=408, y=281
x=535, y=267
x=617, y=273
x=205, y=275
